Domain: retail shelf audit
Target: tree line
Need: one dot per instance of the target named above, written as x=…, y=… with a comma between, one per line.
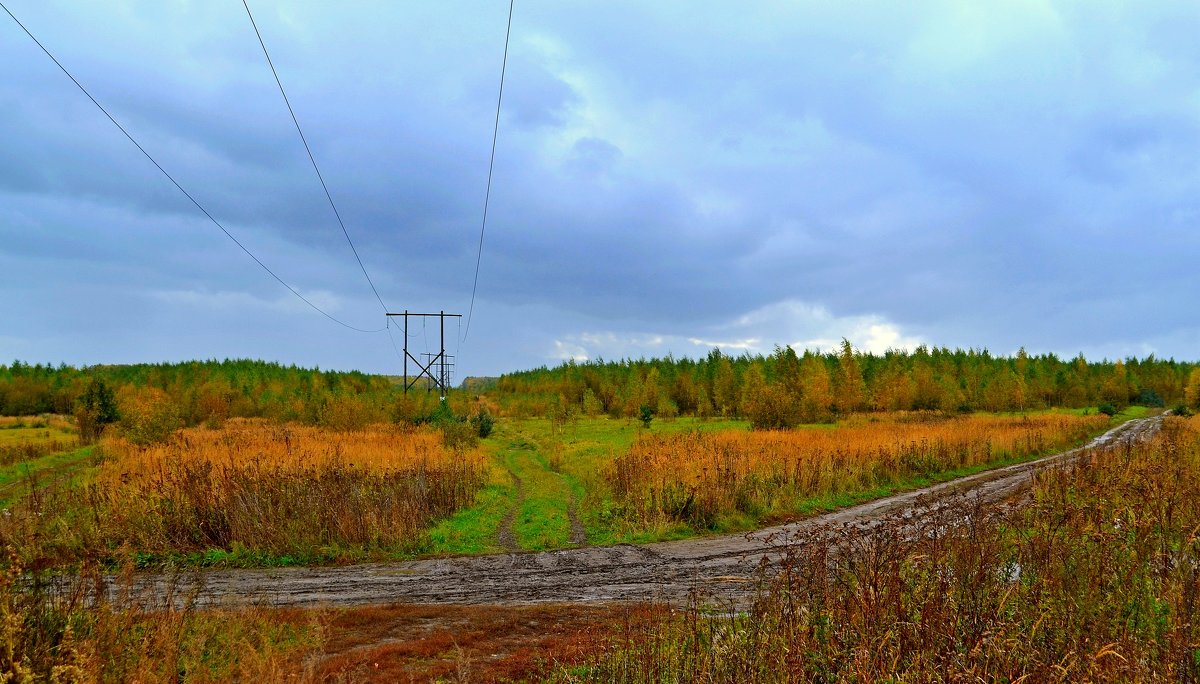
x=195, y=392
x=786, y=388
x=780, y=389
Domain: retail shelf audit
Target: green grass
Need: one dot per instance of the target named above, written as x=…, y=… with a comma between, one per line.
x=17, y=479
x=14, y=435
x=473, y=530
x=1132, y=412
x=1129, y=413
x=542, y=522
x=556, y=462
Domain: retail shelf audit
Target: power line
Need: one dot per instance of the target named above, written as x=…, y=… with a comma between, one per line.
x=491, y=165
x=311, y=158
x=175, y=182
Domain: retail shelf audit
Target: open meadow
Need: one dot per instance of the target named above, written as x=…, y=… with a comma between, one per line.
x=328, y=470
x=252, y=492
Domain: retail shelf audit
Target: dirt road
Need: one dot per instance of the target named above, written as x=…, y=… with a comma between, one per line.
x=664, y=571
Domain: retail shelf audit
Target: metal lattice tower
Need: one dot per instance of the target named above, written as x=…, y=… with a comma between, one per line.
x=437, y=368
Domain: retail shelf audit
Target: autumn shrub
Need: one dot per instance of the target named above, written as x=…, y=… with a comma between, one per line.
x=483, y=423
x=458, y=431
x=770, y=408
x=95, y=409
x=1096, y=579
x=345, y=412
x=697, y=477
x=147, y=415
x=413, y=408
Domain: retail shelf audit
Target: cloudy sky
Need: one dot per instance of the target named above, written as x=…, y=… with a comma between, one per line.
x=670, y=176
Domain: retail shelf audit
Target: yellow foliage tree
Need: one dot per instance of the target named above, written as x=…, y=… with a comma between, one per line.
x=817, y=393
x=850, y=393
x=1191, y=392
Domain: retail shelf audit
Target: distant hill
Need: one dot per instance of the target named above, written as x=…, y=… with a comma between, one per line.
x=480, y=383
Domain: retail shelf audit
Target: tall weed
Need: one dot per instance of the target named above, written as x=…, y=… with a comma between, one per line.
x=252, y=488
x=699, y=476
x=1095, y=580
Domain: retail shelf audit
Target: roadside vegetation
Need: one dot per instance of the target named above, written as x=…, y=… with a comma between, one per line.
x=1096, y=580
x=64, y=633
x=700, y=478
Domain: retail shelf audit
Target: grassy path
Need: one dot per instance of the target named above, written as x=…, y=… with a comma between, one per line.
x=506, y=537
x=543, y=493
x=545, y=515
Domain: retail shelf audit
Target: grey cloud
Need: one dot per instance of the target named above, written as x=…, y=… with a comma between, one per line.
x=975, y=175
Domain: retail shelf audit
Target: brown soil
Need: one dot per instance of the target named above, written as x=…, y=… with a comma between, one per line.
x=405, y=643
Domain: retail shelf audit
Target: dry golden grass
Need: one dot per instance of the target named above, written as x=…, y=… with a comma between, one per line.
x=49, y=420
x=243, y=443
x=59, y=631
x=252, y=493
x=696, y=477
x=284, y=490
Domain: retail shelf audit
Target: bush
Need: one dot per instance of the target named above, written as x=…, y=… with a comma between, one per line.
x=457, y=431
x=441, y=415
x=96, y=408
x=773, y=409
x=346, y=413
x=483, y=422
x=1148, y=397
x=1108, y=409
x=1182, y=411
x=645, y=414
x=458, y=435
x=148, y=416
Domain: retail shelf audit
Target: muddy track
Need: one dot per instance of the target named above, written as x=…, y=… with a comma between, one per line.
x=506, y=536
x=662, y=571
x=578, y=531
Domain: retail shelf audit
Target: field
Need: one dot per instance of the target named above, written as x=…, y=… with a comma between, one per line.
x=35, y=450
x=254, y=492
x=606, y=481
x=324, y=470
x=1064, y=560
x=249, y=493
